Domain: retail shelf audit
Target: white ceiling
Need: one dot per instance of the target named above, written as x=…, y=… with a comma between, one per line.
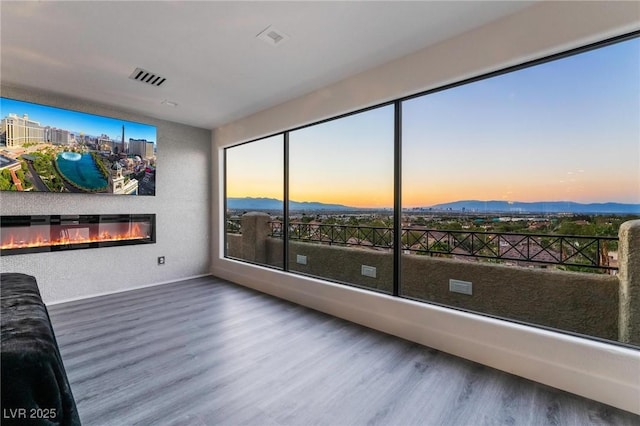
x=217, y=70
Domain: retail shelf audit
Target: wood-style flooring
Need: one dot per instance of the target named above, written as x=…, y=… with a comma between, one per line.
x=208, y=352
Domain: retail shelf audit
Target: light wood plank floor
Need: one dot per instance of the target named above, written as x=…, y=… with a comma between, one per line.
x=208, y=352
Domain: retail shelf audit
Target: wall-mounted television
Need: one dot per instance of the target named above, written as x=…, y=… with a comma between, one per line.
x=48, y=149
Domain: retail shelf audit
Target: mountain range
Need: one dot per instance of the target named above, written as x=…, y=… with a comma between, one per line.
x=248, y=203
x=495, y=206
x=538, y=207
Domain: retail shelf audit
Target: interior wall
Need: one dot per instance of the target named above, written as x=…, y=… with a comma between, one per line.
x=595, y=370
x=181, y=204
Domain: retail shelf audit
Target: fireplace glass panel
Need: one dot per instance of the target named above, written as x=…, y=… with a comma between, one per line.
x=33, y=234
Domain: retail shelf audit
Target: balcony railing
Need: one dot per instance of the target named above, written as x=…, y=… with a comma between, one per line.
x=545, y=249
x=549, y=249
x=332, y=234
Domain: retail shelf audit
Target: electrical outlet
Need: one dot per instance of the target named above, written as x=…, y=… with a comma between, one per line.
x=160, y=260
x=368, y=271
x=462, y=287
x=300, y=259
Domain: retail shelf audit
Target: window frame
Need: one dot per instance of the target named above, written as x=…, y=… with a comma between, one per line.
x=397, y=213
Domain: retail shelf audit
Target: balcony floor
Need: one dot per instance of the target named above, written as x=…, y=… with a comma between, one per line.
x=205, y=351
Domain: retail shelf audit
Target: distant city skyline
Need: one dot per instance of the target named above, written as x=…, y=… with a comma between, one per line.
x=565, y=130
x=76, y=122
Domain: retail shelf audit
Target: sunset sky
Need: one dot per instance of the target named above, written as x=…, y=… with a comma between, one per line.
x=256, y=169
x=564, y=130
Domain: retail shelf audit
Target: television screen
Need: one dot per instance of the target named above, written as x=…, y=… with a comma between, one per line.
x=47, y=149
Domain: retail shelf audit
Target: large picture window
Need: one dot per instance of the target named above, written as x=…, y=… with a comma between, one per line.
x=254, y=208
x=510, y=190
x=340, y=198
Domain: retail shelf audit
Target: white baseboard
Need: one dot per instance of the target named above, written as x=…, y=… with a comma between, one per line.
x=123, y=290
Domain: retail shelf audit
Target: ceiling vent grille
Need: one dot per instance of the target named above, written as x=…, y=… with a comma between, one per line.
x=272, y=36
x=148, y=77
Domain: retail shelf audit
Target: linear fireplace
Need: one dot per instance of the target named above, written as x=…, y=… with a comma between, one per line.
x=36, y=234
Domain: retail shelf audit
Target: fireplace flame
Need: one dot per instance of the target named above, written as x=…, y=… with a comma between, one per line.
x=66, y=238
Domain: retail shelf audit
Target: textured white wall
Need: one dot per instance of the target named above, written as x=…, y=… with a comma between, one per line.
x=182, y=207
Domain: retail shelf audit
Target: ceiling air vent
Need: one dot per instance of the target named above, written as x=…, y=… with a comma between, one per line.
x=148, y=77
x=272, y=36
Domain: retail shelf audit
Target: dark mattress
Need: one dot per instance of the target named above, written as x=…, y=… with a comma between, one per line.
x=35, y=389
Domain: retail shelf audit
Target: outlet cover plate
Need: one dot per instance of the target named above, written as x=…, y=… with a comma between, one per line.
x=462, y=287
x=368, y=271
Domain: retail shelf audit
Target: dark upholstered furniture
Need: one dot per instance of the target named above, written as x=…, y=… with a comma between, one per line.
x=35, y=389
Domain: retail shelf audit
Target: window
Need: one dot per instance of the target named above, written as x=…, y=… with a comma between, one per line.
x=254, y=209
x=512, y=189
x=507, y=181
x=340, y=198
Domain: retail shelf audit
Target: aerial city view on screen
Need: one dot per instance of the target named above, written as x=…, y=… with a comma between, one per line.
x=46, y=149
